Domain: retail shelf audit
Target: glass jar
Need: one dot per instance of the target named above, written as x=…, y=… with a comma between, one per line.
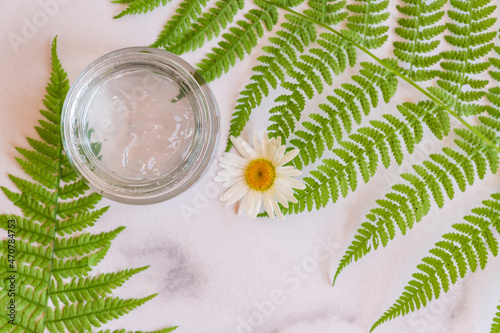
x=140, y=125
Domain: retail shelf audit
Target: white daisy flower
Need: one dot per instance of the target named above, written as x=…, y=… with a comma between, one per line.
x=258, y=176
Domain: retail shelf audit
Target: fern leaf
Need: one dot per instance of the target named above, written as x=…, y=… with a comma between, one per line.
x=408, y=203
x=209, y=25
x=309, y=72
x=471, y=41
x=84, y=316
x=348, y=105
x=80, y=289
x=139, y=6
x=55, y=205
x=328, y=12
x=420, y=32
x=495, y=326
x=84, y=243
x=179, y=25
x=465, y=248
x=295, y=35
x=360, y=156
x=239, y=41
x=366, y=22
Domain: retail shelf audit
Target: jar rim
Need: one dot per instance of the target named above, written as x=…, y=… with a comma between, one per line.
x=113, y=186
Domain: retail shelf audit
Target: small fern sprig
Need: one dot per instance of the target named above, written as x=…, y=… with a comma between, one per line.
x=209, y=25
x=420, y=31
x=466, y=248
x=409, y=203
x=495, y=325
x=239, y=41
x=471, y=39
x=179, y=25
x=293, y=37
x=54, y=291
x=139, y=6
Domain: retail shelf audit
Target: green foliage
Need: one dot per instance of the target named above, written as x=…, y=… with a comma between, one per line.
x=408, y=203
x=495, y=326
x=360, y=156
x=45, y=251
x=367, y=22
x=347, y=106
x=139, y=6
x=444, y=44
x=209, y=25
x=419, y=29
x=294, y=36
x=238, y=41
x=466, y=248
x=180, y=23
x=471, y=42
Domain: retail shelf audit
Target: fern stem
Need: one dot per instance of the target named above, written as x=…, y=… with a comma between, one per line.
x=59, y=161
x=393, y=70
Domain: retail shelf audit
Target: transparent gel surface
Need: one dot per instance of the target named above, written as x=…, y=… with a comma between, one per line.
x=140, y=124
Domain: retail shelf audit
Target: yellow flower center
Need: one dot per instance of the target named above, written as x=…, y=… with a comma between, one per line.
x=260, y=174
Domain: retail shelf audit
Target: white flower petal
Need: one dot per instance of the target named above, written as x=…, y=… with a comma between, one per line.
x=277, y=209
x=265, y=146
x=287, y=171
x=243, y=203
x=250, y=203
x=266, y=199
x=293, y=183
x=288, y=157
x=233, y=160
x=282, y=199
x=240, y=189
x=278, y=155
x=243, y=148
x=256, y=204
x=237, y=190
x=256, y=144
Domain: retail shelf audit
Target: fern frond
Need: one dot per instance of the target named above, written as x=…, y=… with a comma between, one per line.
x=457, y=87
x=294, y=36
x=420, y=31
x=178, y=26
x=366, y=22
x=360, y=156
x=467, y=247
x=84, y=243
x=311, y=71
x=79, y=222
x=495, y=326
x=80, y=289
x=139, y=6
x=85, y=315
x=325, y=11
x=55, y=205
x=209, y=25
x=408, y=203
x=348, y=105
x=239, y=41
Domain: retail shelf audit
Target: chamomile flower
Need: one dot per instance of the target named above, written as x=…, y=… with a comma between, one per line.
x=258, y=176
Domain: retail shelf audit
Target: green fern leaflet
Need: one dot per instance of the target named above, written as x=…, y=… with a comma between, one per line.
x=466, y=248
x=47, y=258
